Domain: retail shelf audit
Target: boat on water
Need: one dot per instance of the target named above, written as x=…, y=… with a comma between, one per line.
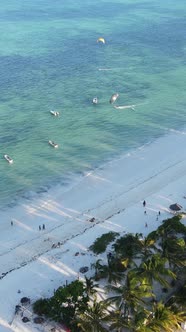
x=95, y=100
x=114, y=97
x=10, y=160
x=54, y=113
x=53, y=144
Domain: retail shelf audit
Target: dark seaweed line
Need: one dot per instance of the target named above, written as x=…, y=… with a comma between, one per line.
x=46, y=251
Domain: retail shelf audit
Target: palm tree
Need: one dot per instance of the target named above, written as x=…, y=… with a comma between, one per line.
x=90, y=286
x=174, y=250
x=154, y=269
x=177, y=300
x=161, y=319
x=172, y=226
x=118, y=322
x=147, y=247
x=129, y=296
x=107, y=271
x=127, y=249
x=127, y=246
x=93, y=318
x=97, y=266
x=171, y=243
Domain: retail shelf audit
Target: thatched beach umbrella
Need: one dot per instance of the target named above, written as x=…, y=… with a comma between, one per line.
x=25, y=300
x=175, y=207
x=25, y=319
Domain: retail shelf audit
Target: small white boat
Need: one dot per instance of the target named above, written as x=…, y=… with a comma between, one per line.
x=95, y=100
x=54, y=113
x=10, y=160
x=114, y=97
x=53, y=144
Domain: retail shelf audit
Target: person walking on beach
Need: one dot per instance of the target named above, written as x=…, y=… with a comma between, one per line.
x=12, y=223
x=144, y=203
x=39, y=227
x=43, y=226
x=146, y=224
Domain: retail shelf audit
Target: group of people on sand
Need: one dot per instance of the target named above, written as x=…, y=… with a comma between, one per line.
x=43, y=227
x=145, y=212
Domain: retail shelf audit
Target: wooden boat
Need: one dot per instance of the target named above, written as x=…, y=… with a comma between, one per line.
x=54, y=113
x=53, y=144
x=10, y=160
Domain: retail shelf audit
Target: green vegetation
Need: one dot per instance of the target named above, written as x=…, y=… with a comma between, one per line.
x=65, y=303
x=133, y=302
x=101, y=243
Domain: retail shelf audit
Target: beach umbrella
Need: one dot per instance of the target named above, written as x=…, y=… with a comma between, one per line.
x=25, y=300
x=175, y=207
x=25, y=319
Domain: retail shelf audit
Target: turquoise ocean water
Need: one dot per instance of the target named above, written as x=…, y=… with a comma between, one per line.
x=49, y=59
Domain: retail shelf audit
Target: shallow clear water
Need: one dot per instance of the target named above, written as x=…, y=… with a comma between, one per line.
x=49, y=59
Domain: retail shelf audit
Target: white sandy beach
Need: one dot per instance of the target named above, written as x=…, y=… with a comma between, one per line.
x=112, y=194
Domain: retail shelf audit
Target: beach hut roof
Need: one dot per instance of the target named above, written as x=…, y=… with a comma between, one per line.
x=175, y=207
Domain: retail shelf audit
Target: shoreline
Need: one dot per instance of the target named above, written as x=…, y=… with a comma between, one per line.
x=112, y=194
x=71, y=179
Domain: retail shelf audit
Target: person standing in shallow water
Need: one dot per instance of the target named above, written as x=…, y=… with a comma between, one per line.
x=144, y=203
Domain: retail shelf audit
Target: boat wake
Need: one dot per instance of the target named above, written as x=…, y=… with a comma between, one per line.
x=105, y=69
x=122, y=107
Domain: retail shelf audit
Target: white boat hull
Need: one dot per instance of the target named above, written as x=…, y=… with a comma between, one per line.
x=54, y=113
x=53, y=144
x=10, y=160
